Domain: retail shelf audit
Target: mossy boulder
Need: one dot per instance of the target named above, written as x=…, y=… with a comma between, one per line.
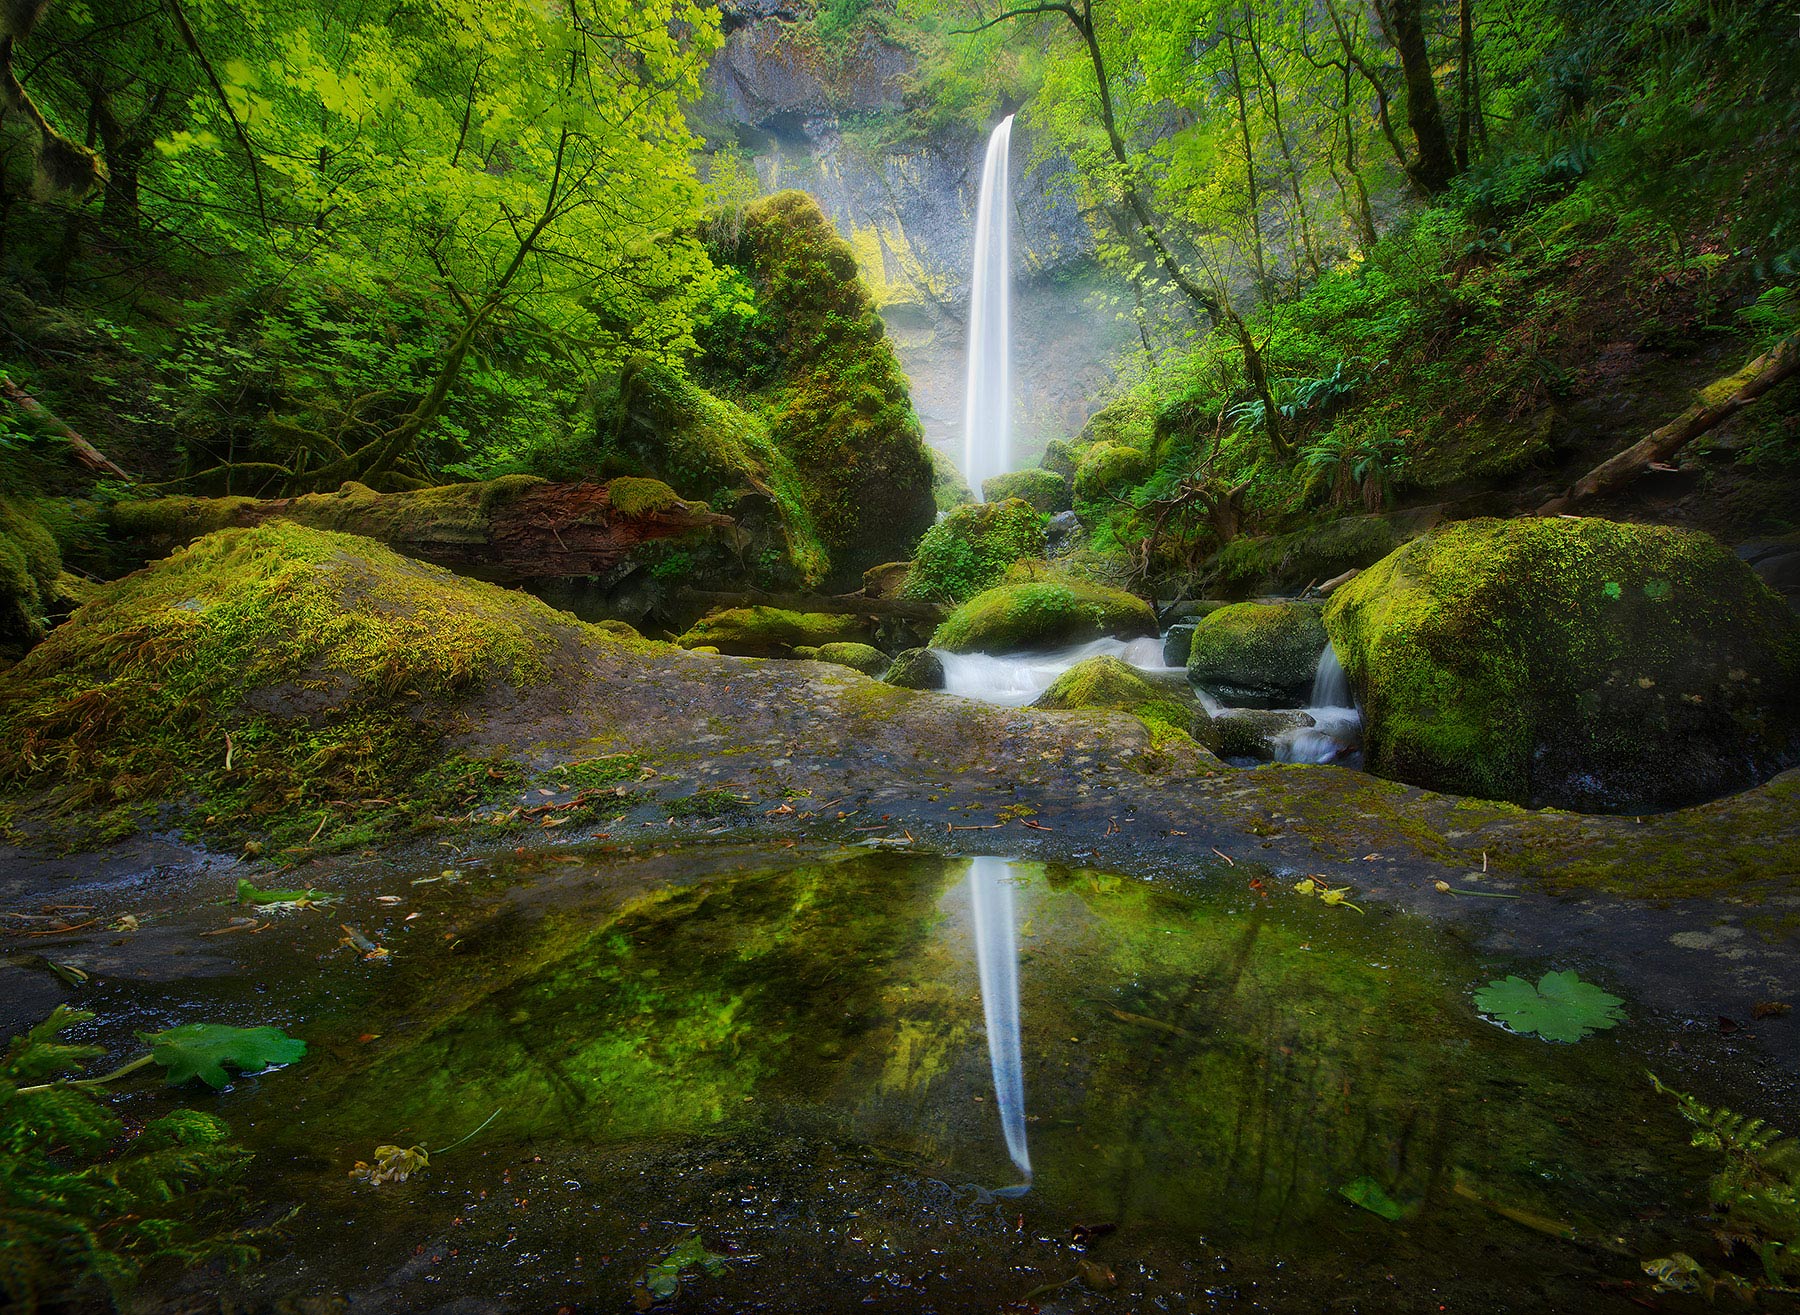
x=828, y=381
x=1016, y=618
x=865, y=658
x=1581, y=663
x=30, y=563
x=1110, y=683
x=971, y=549
x=1252, y=732
x=1060, y=459
x=1267, y=652
x=949, y=489
x=1108, y=468
x=262, y=677
x=916, y=668
x=772, y=631
x=1043, y=489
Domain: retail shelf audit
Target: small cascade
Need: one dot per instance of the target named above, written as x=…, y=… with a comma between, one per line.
x=1336, y=733
x=1016, y=679
x=997, y=957
x=987, y=411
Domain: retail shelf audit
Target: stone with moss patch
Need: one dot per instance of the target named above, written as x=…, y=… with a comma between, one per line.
x=865, y=658
x=772, y=631
x=1252, y=732
x=1268, y=652
x=916, y=668
x=1043, y=489
x=971, y=549
x=1582, y=663
x=1109, y=468
x=1014, y=618
x=1110, y=683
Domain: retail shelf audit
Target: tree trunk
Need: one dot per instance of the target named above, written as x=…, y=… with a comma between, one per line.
x=1465, y=81
x=1718, y=403
x=85, y=452
x=506, y=530
x=1434, y=166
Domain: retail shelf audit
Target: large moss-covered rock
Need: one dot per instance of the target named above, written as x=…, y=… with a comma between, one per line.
x=1252, y=732
x=1582, y=663
x=971, y=549
x=916, y=668
x=1109, y=468
x=1015, y=618
x=865, y=658
x=948, y=487
x=30, y=563
x=772, y=631
x=1110, y=683
x=1043, y=489
x=830, y=384
x=1263, y=651
x=1060, y=459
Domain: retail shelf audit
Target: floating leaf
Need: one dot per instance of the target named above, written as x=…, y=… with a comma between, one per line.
x=249, y=894
x=202, y=1050
x=1371, y=1196
x=663, y=1279
x=1561, y=1007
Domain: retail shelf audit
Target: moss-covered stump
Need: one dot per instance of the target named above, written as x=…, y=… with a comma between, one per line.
x=832, y=388
x=274, y=677
x=1267, y=652
x=30, y=563
x=1581, y=663
x=1016, y=618
x=1043, y=489
x=971, y=549
x=773, y=631
x=916, y=668
x=865, y=658
x=1107, y=683
x=1108, y=468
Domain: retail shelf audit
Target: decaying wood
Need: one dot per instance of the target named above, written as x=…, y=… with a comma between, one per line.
x=85, y=452
x=912, y=609
x=505, y=530
x=1717, y=403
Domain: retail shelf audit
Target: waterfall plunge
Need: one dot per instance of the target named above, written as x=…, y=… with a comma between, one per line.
x=987, y=418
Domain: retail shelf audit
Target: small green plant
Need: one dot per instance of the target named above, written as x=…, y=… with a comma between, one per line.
x=1757, y=1192
x=81, y=1203
x=1356, y=465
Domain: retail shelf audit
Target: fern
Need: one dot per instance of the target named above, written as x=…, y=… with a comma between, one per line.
x=76, y=1207
x=1757, y=1190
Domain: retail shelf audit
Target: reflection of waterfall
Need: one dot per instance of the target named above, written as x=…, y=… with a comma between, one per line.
x=1017, y=679
x=986, y=412
x=990, y=890
x=1336, y=731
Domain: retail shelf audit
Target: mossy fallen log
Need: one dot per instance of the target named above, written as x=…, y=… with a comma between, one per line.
x=514, y=528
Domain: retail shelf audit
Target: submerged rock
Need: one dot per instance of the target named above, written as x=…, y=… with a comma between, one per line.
x=1110, y=683
x=1015, y=618
x=1580, y=663
x=972, y=547
x=1268, y=652
x=916, y=668
x=1043, y=489
x=865, y=658
x=772, y=631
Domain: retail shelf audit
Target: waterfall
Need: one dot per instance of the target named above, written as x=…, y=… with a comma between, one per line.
x=1331, y=688
x=997, y=957
x=987, y=422
x=1336, y=733
x=1016, y=679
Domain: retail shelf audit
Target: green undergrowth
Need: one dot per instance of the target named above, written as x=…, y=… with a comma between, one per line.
x=972, y=547
x=283, y=683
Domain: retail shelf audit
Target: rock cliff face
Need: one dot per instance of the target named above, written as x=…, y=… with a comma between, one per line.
x=809, y=117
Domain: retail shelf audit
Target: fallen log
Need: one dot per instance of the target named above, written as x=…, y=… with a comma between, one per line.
x=911, y=609
x=85, y=452
x=504, y=530
x=1717, y=403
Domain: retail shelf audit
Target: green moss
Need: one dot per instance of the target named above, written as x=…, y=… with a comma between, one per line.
x=1109, y=468
x=257, y=675
x=1265, y=649
x=1578, y=662
x=771, y=631
x=1043, y=489
x=1020, y=617
x=1109, y=683
x=971, y=549
x=29, y=565
x=948, y=487
x=641, y=497
x=1060, y=459
x=865, y=658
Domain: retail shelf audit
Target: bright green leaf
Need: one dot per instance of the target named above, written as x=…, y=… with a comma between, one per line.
x=1561, y=1007
x=1371, y=1196
x=202, y=1050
